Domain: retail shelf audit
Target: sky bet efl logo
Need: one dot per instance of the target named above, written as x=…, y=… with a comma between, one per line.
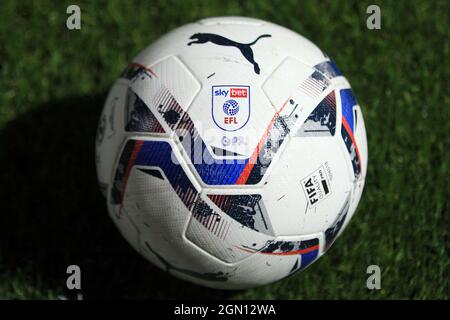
x=231, y=106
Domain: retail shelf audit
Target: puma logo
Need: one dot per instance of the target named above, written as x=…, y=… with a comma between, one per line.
x=245, y=48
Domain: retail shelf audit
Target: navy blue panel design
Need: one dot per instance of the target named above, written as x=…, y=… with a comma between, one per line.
x=348, y=101
x=290, y=247
x=224, y=152
x=322, y=121
x=154, y=154
x=121, y=171
x=307, y=259
x=307, y=250
x=329, y=69
x=210, y=219
x=276, y=135
x=139, y=117
x=159, y=154
x=332, y=232
x=218, y=171
x=153, y=172
x=246, y=209
x=315, y=84
x=352, y=149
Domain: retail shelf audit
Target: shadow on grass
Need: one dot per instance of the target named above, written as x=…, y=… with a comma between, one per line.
x=53, y=214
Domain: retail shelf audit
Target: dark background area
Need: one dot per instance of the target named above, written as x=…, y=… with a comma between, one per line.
x=53, y=83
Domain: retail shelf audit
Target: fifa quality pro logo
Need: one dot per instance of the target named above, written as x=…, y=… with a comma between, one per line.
x=230, y=106
x=316, y=186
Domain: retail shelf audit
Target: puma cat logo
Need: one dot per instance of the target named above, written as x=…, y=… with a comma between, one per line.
x=245, y=48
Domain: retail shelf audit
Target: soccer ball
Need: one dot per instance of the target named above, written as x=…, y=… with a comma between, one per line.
x=232, y=152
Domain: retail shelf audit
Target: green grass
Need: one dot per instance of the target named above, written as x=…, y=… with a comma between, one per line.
x=52, y=87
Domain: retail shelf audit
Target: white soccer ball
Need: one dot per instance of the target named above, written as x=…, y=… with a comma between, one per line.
x=232, y=152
